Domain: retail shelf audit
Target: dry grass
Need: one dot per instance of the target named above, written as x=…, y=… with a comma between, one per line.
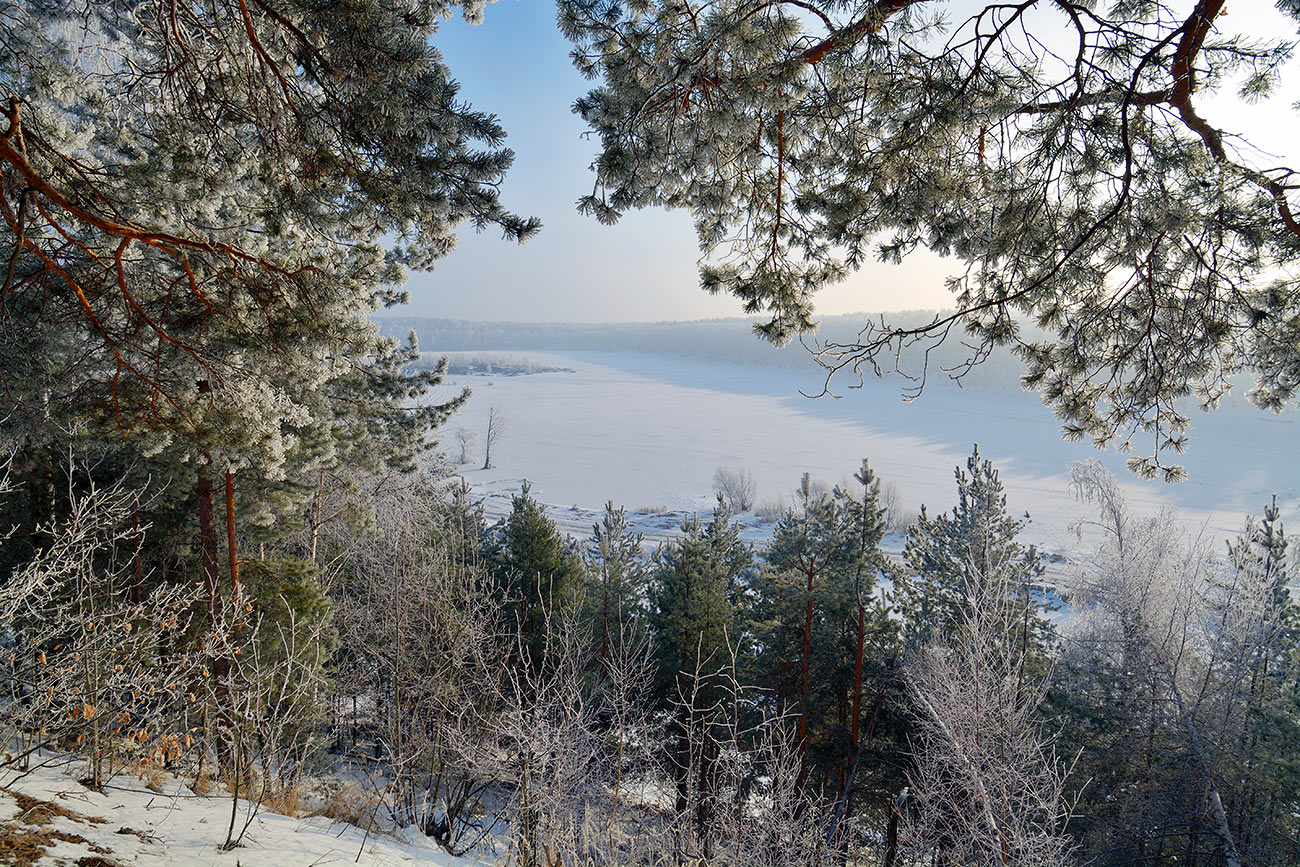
x=21, y=846
x=204, y=783
x=151, y=774
x=286, y=800
x=352, y=804
x=24, y=841
x=34, y=811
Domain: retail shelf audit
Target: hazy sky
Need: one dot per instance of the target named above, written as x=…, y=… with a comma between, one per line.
x=516, y=65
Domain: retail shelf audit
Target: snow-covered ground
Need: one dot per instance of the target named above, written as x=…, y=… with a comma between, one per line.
x=47, y=817
x=648, y=432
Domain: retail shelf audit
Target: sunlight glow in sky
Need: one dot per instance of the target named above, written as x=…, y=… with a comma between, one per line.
x=516, y=65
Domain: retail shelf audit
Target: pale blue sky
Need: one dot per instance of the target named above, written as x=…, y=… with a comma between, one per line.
x=516, y=65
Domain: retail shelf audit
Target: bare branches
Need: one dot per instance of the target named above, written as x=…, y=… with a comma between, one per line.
x=496, y=428
x=93, y=664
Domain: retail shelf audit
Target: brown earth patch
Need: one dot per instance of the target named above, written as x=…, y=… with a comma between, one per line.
x=34, y=811
x=23, y=846
x=144, y=836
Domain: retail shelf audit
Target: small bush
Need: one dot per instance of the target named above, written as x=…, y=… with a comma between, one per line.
x=286, y=800
x=203, y=784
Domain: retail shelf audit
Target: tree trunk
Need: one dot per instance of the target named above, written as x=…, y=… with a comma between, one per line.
x=212, y=585
x=232, y=555
x=704, y=809
x=682, y=769
x=208, y=544
x=805, y=678
x=855, y=721
x=891, y=837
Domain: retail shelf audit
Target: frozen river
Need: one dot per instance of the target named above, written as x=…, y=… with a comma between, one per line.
x=650, y=430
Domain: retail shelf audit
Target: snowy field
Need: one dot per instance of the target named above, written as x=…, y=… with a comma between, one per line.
x=648, y=432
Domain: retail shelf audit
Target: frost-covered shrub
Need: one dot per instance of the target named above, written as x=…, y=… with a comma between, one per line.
x=737, y=485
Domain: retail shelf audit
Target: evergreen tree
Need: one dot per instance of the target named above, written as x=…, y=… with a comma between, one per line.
x=820, y=627
x=537, y=570
x=464, y=528
x=955, y=558
x=1077, y=185
x=203, y=203
x=1264, y=752
x=698, y=593
x=1186, y=747
x=262, y=177
x=617, y=573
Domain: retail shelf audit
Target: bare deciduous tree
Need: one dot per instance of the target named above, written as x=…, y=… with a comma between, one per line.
x=420, y=663
x=465, y=439
x=496, y=426
x=737, y=485
x=275, y=695
x=897, y=516
x=1180, y=634
x=987, y=787
x=93, y=662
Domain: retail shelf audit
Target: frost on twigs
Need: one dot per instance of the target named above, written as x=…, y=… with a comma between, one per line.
x=93, y=658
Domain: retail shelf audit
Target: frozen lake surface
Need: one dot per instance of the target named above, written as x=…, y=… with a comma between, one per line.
x=648, y=431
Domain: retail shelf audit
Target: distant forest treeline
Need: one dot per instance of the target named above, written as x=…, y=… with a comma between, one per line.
x=730, y=340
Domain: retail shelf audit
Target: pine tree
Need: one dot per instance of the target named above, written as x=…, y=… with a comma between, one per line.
x=262, y=177
x=955, y=558
x=1265, y=756
x=819, y=621
x=1077, y=186
x=262, y=180
x=617, y=573
x=464, y=528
